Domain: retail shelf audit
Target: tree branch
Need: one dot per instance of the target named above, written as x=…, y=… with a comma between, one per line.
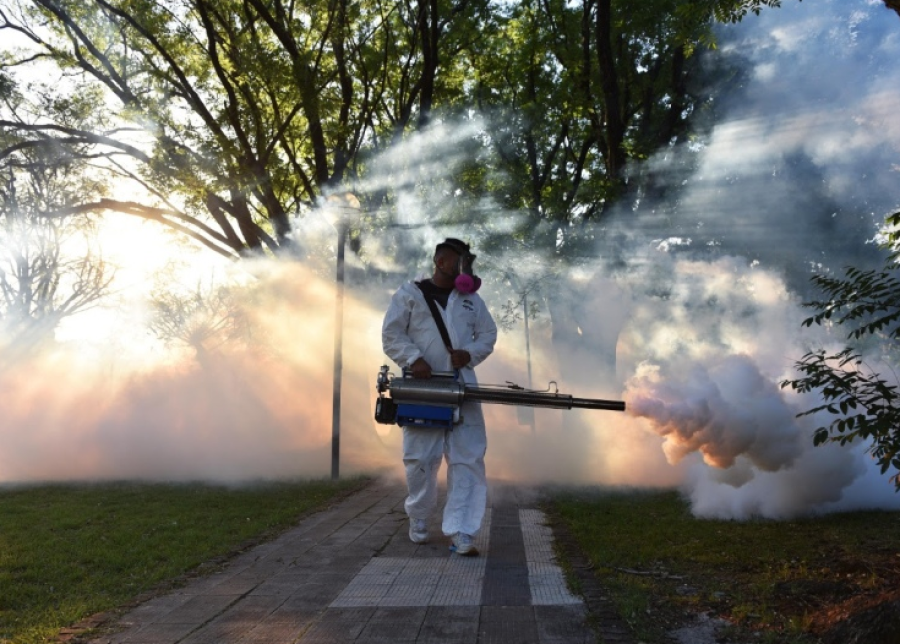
x=154, y=214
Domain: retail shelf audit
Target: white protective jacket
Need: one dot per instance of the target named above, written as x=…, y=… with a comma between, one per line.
x=409, y=331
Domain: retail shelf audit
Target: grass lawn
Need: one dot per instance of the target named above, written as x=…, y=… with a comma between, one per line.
x=70, y=551
x=790, y=581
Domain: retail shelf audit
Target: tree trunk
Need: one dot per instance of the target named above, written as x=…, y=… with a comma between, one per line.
x=429, y=31
x=613, y=125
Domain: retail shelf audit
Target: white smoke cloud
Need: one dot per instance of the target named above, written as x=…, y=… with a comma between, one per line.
x=706, y=361
x=723, y=411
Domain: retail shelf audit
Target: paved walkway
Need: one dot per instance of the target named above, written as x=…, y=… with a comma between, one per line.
x=350, y=574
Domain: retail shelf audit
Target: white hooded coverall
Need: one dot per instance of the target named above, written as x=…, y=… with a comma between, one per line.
x=410, y=332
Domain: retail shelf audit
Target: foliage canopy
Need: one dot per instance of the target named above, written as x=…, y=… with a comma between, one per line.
x=230, y=119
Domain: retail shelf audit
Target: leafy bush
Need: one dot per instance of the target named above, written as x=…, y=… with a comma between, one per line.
x=865, y=401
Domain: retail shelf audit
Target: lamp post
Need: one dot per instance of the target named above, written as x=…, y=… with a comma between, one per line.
x=525, y=415
x=345, y=205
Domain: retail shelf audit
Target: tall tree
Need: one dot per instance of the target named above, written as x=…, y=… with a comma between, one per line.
x=49, y=270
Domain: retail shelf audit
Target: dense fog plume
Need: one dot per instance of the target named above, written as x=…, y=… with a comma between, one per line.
x=704, y=363
x=723, y=411
x=257, y=407
x=795, y=178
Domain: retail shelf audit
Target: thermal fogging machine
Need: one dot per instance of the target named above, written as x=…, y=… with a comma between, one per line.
x=434, y=402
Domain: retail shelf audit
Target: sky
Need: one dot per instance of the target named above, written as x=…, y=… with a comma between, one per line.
x=795, y=177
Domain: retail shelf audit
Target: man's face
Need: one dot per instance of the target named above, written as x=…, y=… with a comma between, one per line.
x=448, y=262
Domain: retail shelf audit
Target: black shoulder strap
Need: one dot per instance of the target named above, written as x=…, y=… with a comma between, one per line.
x=442, y=328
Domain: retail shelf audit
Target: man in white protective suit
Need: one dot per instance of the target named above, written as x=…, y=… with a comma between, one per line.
x=411, y=337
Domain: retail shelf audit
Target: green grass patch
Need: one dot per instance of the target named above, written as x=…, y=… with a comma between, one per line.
x=781, y=579
x=70, y=551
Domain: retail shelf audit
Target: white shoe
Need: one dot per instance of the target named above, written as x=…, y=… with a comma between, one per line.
x=462, y=544
x=418, y=530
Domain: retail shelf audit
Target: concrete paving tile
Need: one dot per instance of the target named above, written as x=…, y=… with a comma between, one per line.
x=507, y=614
x=456, y=598
x=268, y=567
x=582, y=636
x=218, y=633
x=432, y=552
x=448, y=631
x=273, y=633
x=276, y=588
x=324, y=594
x=308, y=564
x=411, y=615
x=461, y=565
x=202, y=584
x=400, y=548
x=403, y=600
x=453, y=613
x=391, y=631
x=355, y=600
x=383, y=565
x=198, y=610
x=349, y=614
x=296, y=545
x=330, y=577
x=331, y=633
x=420, y=565
x=292, y=615
x=154, y=609
x=345, y=563
x=251, y=608
x=553, y=598
x=158, y=634
x=371, y=577
x=507, y=632
x=542, y=568
x=238, y=585
x=377, y=536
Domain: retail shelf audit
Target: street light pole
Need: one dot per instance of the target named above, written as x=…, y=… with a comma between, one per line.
x=338, y=355
x=344, y=204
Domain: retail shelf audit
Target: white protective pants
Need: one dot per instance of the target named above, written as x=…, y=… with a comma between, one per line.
x=464, y=447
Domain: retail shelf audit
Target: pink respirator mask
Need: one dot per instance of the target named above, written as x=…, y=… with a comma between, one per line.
x=467, y=281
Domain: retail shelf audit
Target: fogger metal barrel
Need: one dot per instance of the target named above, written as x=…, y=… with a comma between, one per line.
x=526, y=398
x=434, y=402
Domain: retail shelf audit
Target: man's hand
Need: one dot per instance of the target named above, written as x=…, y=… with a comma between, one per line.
x=420, y=369
x=459, y=358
